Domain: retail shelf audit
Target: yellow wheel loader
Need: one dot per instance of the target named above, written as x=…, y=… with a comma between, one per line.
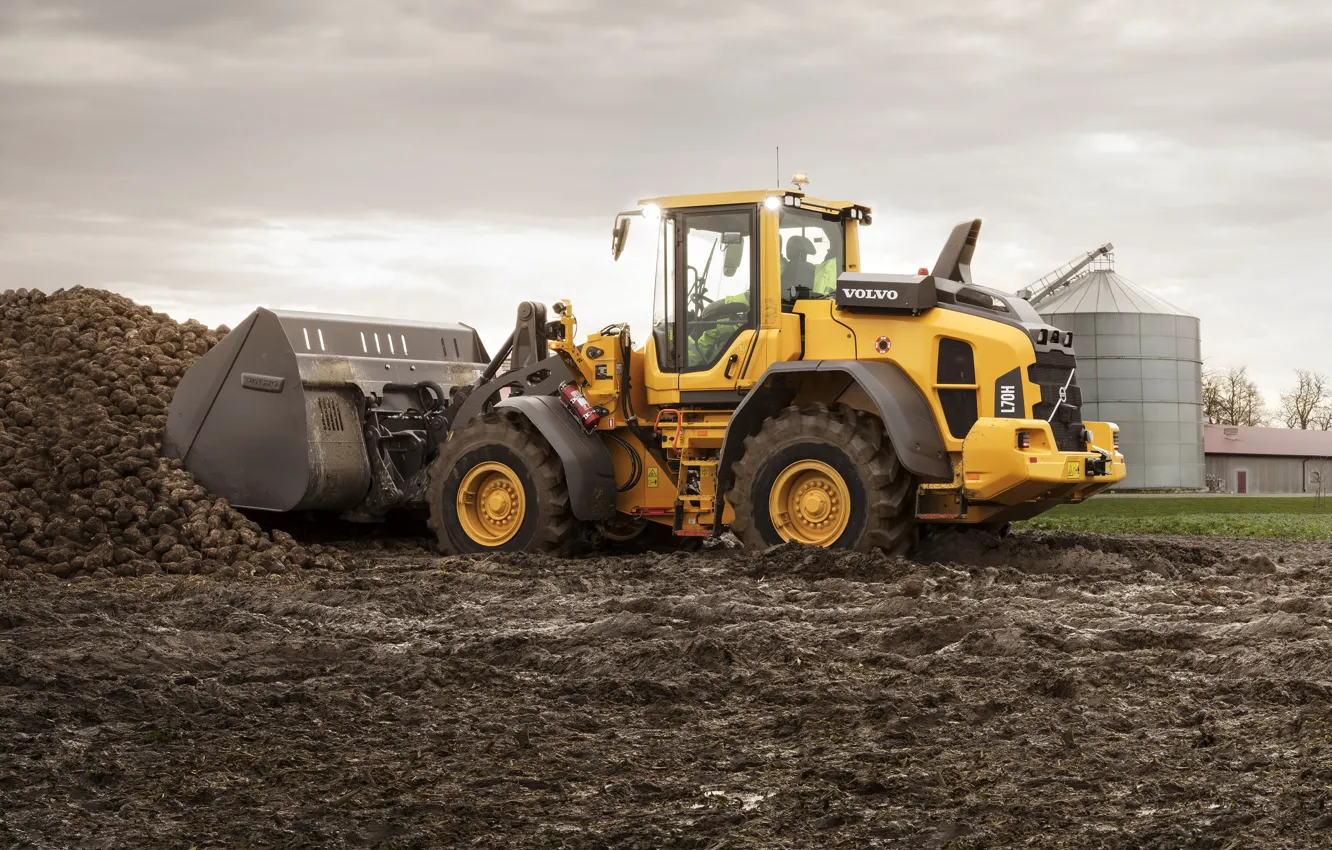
x=781, y=393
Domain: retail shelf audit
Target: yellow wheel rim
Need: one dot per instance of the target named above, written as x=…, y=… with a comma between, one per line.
x=810, y=503
x=491, y=503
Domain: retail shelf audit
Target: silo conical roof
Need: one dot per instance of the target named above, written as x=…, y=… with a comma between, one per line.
x=1104, y=291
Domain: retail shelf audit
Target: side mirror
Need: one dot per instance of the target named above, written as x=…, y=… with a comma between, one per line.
x=619, y=234
x=732, y=254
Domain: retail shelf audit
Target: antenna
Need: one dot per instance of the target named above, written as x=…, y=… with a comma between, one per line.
x=779, y=166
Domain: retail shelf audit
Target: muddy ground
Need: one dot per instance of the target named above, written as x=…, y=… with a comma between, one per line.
x=1041, y=691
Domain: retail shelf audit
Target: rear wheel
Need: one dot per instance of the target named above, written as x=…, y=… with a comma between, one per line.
x=498, y=486
x=823, y=476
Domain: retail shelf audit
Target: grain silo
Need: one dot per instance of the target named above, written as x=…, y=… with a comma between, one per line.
x=1139, y=365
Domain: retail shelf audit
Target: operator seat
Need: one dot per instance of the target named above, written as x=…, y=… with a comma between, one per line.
x=799, y=270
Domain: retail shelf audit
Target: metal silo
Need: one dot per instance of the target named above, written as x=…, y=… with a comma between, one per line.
x=1139, y=365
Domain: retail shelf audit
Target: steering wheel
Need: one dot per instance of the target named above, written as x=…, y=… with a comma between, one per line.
x=719, y=310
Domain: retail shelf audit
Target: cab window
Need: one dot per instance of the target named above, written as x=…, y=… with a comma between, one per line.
x=813, y=254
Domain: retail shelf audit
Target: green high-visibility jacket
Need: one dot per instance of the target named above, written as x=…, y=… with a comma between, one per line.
x=707, y=346
x=825, y=276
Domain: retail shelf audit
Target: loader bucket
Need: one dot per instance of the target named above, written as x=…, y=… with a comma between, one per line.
x=272, y=417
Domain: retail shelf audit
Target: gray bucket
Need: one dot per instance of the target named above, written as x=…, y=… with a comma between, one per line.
x=271, y=418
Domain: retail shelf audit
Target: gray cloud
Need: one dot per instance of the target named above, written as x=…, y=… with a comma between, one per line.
x=152, y=20
x=1194, y=135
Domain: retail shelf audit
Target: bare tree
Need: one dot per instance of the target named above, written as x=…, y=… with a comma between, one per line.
x=1213, y=407
x=1318, y=477
x=1322, y=417
x=1301, y=406
x=1231, y=397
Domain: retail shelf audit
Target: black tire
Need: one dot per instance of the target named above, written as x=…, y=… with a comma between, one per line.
x=882, y=503
x=548, y=524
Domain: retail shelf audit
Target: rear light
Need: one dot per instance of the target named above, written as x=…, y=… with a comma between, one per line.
x=1114, y=436
x=1054, y=337
x=1024, y=440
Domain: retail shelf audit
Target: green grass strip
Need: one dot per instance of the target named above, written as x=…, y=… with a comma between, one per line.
x=1211, y=516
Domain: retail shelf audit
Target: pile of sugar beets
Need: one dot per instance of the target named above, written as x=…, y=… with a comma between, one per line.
x=86, y=377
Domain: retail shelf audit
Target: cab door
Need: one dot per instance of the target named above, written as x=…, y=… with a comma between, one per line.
x=717, y=273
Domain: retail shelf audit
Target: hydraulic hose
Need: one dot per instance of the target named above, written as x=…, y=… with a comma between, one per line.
x=440, y=397
x=626, y=398
x=636, y=463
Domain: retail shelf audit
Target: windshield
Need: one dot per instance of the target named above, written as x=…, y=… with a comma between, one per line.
x=813, y=253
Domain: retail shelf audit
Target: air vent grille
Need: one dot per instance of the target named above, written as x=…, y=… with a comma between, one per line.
x=330, y=414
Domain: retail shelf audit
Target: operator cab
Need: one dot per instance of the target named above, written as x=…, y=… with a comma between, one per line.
x=728, y=266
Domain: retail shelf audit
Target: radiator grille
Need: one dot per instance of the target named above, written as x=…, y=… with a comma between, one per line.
x=1051, y=373
x=330, y=414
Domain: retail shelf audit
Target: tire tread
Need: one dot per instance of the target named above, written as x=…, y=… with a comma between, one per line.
x=559, y=531
x=890, y=524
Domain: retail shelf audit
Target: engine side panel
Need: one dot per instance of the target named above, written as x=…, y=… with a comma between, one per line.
x=997, y=378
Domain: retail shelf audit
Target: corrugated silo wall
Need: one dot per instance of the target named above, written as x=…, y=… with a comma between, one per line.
x=1143, y=372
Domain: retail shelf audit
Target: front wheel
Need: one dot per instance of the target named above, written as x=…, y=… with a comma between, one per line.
x=498, y=486
x=823, y=476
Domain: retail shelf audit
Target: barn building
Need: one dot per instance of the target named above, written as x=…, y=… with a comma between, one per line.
x=1267, y=460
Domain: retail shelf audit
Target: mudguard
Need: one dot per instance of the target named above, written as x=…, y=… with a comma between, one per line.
x=587, y=464
x=905, y=413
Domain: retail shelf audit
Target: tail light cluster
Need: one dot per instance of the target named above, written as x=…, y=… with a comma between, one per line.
x=1024, y=439
x=1054, y=336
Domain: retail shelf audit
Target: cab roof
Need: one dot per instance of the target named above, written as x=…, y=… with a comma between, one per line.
x=750, y=196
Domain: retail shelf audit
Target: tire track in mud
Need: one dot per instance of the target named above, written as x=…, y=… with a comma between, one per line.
x=1045, y=690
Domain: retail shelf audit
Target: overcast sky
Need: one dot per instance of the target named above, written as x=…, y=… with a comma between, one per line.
x=447, y=159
